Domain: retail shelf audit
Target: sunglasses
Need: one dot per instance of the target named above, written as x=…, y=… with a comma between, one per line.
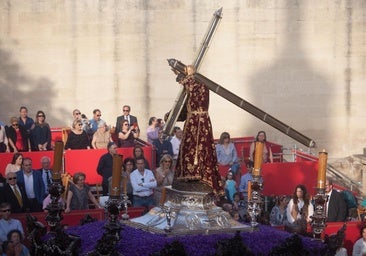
x=40, y=116
x=12, y=178
x=15, y=125
x=99, y=115
x=77, y=113
x=6, y=210
x=126, y=110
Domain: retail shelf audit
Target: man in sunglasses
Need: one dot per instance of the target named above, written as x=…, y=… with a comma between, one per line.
x=95, y=121
x=7, y=223
x=14, y=194
x=132, y=120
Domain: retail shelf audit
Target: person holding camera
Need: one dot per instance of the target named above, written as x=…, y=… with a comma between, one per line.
x=127, y=134
x=299, y=210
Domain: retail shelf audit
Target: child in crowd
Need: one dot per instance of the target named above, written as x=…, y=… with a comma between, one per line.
x=240, y=206
x=230, y=187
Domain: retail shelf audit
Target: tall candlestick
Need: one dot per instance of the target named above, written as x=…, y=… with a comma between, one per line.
x=57, y=160
x=322, y=169
x=124, y=182
x=258, y=158
x=249, y=190
x=116, y=176
x=163, y=196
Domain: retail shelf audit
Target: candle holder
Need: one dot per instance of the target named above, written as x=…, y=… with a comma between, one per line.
x=255, y=200
x=318, y=220
x=121, y=202
x=168, y=215
x=125, y=202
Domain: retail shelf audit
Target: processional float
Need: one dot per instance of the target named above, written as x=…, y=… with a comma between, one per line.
x=188, y=212
x=192, y=212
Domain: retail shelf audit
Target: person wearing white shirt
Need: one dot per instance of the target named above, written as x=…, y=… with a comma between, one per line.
x=175, y=141
x=46, y=172
x=299, y=210
x=7, y=223
x=33, y=184
x=143, y=183
x=359, y=248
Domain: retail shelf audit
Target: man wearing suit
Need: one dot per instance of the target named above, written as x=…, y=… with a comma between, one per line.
x=132, y=120
x=10, y=191
x=33, y=184
x=46, y=173
x=336, y=206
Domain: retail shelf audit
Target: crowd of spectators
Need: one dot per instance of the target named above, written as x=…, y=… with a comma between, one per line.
x=26, y=189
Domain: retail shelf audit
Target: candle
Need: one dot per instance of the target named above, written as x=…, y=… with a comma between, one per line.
x=322, y=169
x=57, y=160
x=249, y=190
x=116, y=176
x=258, y=158
x=163, y=196
x=124, y=182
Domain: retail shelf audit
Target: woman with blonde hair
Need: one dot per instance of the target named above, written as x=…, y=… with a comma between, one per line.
x=101, y=137
x=17, y=136
x=164, y=176
x=78, y=138
x=79, y=194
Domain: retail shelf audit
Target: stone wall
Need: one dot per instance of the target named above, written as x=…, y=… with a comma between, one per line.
x=301, y=61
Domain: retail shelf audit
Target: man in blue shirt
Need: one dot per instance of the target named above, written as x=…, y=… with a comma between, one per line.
x=6, y=223
x=95, y=121
x=243, y=186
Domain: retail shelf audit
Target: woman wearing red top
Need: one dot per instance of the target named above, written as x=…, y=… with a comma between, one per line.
x=17, y=135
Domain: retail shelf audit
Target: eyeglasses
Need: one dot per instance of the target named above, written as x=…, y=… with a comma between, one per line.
x=77, y=113
x=12, y=178
x=15, y=125
x=99, y=115
x=40, y=116
x=6, y=210
x=126, y=110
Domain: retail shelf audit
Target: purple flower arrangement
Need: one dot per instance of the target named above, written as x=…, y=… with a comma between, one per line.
x=138, y=242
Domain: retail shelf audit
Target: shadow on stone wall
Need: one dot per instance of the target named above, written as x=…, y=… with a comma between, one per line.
x=20, y=89
x=291, y=90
